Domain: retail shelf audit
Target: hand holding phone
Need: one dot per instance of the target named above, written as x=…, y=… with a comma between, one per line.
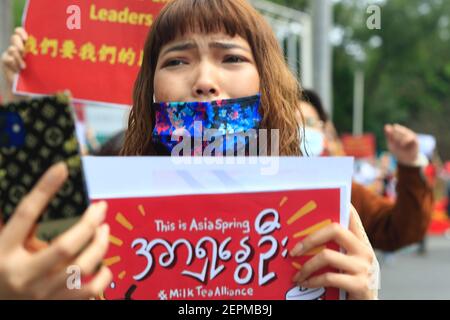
x=34, y=135
x=45, y=273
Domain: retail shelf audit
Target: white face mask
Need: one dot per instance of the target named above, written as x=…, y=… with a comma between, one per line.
x=313, y=143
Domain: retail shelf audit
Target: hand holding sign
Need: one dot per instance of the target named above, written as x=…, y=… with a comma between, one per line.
x=355, y=264
x=216, y=246
x=12, y=59
x=206, y=239
x=43, y=275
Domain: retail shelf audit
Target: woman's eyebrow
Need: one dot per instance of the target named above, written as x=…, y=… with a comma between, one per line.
x=180, y=47
x=215, y=44
x=227, y=46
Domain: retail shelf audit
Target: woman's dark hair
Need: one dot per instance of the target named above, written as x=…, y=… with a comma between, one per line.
x=314, y=100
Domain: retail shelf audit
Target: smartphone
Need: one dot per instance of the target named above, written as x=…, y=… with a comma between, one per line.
x=34, y=135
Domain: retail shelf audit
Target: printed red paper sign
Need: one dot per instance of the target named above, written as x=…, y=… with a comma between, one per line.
x=218, y=246
x=98, y=61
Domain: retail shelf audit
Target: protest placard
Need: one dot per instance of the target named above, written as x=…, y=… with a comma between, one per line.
x=197, y=231
x=92, y=48
x=363, y=146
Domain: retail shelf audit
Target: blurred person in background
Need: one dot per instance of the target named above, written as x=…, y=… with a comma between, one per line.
x=390, y=225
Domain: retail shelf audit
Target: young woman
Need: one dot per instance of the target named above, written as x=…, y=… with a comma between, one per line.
x=207, y=50
x=199, y=51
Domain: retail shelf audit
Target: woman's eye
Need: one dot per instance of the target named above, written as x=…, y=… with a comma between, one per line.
x=234, y=59
x=174, y=63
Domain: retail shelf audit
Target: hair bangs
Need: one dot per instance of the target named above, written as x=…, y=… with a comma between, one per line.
x=201, y=16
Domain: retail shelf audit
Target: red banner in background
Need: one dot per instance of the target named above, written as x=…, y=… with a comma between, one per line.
x=97, y=62
x=222, y=246
x=363, y=146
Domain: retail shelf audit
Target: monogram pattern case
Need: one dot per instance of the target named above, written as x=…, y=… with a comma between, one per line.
x=34, y=135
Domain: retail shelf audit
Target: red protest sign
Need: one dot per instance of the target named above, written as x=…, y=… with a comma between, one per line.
x=221, y=246
x=97, y=62
x=363, y=146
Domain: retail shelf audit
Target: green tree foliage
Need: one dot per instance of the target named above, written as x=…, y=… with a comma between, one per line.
x=407, y=65
x=407, y=74
x=18, y=6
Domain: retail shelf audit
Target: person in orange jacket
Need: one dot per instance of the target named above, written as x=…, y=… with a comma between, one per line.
x=390, y=225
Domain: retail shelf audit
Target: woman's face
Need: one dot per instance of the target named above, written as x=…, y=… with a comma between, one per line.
x=199, y=67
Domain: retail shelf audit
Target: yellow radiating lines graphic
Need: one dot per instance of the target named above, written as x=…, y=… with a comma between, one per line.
x=141, y=210
x=110, y=261
x=307, y=208
x=312, y=229
x=315, y=251
x=122, y=275
x=115, y=241
x=283, y=201
x=296, y=265
x=120, y=218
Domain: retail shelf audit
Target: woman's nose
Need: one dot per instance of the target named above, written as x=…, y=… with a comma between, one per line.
x=205, y=91
x=205, y=85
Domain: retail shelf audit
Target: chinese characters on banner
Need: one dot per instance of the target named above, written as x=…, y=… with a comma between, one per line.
x=97, y=62
x=217, y=246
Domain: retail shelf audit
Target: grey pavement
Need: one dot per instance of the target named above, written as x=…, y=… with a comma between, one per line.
x=410, y=275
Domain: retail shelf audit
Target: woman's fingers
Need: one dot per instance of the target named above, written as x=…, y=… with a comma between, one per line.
x=19, y=63
x=90, y=290
x=93, y=255
x=356, y=264
x=18, y=43
x=331, y=259
x=9, y=63
x=12, y=59
x=333, y=232
x=21, y=33
x=87, y=263
x=356, y=287
x=32, y=206
x=33, y=244
x=67, y=246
